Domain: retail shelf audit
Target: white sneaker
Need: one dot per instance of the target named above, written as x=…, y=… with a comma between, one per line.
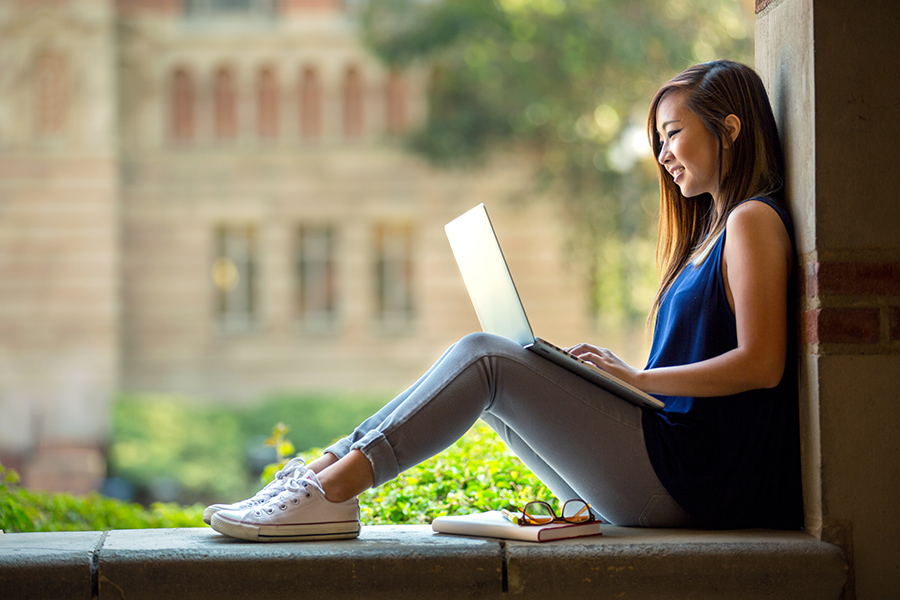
x=294, y=468
x=300, y=512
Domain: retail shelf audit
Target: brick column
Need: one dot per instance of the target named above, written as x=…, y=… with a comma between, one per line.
x=851, y=307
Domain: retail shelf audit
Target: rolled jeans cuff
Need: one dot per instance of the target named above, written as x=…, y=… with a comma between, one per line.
x=378, y=450
x=340, y=448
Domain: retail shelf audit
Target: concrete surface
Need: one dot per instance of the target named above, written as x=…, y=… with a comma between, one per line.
x=413, y=562
x=665, y=564
x=47, y=565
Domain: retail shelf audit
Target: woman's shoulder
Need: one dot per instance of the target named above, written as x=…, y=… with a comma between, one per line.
x=757, y=224
x=759, y=213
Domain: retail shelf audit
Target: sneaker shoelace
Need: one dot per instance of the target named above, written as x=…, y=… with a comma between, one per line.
x=294, y=487
x=294, y=468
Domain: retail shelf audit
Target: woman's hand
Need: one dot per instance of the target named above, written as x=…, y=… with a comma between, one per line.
x=756, y=265
x=603, y=359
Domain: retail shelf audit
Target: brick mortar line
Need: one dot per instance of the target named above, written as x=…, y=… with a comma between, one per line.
x=855, y=301
x=808, y=260
x=840, y=349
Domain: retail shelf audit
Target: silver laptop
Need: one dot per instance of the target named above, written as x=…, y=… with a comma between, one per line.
x=499, y=308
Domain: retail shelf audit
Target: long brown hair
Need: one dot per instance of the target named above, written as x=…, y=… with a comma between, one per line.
x=754, y=162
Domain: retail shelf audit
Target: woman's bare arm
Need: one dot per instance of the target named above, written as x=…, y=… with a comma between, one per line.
x=756, y=266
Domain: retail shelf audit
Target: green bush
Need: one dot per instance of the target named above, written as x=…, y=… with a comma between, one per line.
x=167, y=438
x=23, y=510
x=204, y=451
x=477, y=473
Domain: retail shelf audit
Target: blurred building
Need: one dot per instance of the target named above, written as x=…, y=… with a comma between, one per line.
x=208, y=197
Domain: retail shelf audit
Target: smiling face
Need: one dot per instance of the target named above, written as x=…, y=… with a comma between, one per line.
x=688, y=151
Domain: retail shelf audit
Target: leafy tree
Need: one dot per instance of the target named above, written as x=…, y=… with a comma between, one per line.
x=566, y=83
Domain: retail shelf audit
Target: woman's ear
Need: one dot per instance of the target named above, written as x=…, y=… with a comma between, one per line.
x=733, y=125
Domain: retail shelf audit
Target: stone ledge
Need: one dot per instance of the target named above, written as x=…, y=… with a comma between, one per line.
x=413, y=562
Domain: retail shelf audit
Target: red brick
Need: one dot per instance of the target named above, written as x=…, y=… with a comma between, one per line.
x=761, y=5
x=858, y=278
x=848, y=325
x=14, y=460
x=809, y=333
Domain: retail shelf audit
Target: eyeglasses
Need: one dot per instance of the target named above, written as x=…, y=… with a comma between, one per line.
x=539, y=512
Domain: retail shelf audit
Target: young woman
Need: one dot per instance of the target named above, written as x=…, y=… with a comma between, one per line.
x=723, y=454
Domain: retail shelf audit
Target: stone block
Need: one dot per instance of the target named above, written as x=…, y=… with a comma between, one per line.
x=667, y=564
x=47, y=565
x=385, y=562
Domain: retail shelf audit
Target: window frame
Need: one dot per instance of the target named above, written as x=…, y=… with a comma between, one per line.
x=309, y=260
x=394, y=274
x=235, y=312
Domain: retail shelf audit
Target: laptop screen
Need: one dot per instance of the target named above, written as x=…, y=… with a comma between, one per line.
x=487, y=278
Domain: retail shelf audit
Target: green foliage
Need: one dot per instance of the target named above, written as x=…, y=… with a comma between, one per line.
x=169, y=438
x=204, y=452
x=568, y=77
x=477, y=473
x=566, y=82
x=283, y=447
x=313, y=419
x=23, y=510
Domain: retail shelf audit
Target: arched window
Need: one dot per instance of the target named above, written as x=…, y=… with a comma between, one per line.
x=182, y=106
x=225, y=105
x=395, y=103
x=353, y=103
x=310, y=104
x=51, y=96
x=267, y=104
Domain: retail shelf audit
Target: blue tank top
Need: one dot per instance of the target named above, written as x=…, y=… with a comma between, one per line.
x=730, y=461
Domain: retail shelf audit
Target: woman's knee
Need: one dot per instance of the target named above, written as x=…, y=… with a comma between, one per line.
x=484, y=344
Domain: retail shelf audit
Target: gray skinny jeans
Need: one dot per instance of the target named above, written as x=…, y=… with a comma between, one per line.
x=580, y=441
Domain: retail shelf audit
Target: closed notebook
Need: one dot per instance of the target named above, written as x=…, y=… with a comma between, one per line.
x=492, y=524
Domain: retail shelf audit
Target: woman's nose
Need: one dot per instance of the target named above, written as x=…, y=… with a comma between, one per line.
x=664, y=154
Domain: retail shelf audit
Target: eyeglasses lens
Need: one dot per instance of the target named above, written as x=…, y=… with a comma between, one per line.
x=576, y=511
x=539, y=513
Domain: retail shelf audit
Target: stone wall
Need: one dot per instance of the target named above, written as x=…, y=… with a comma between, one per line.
x=835, y=83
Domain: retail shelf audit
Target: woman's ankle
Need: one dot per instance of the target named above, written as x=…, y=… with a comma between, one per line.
x=347, y=478
x=323, y=462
